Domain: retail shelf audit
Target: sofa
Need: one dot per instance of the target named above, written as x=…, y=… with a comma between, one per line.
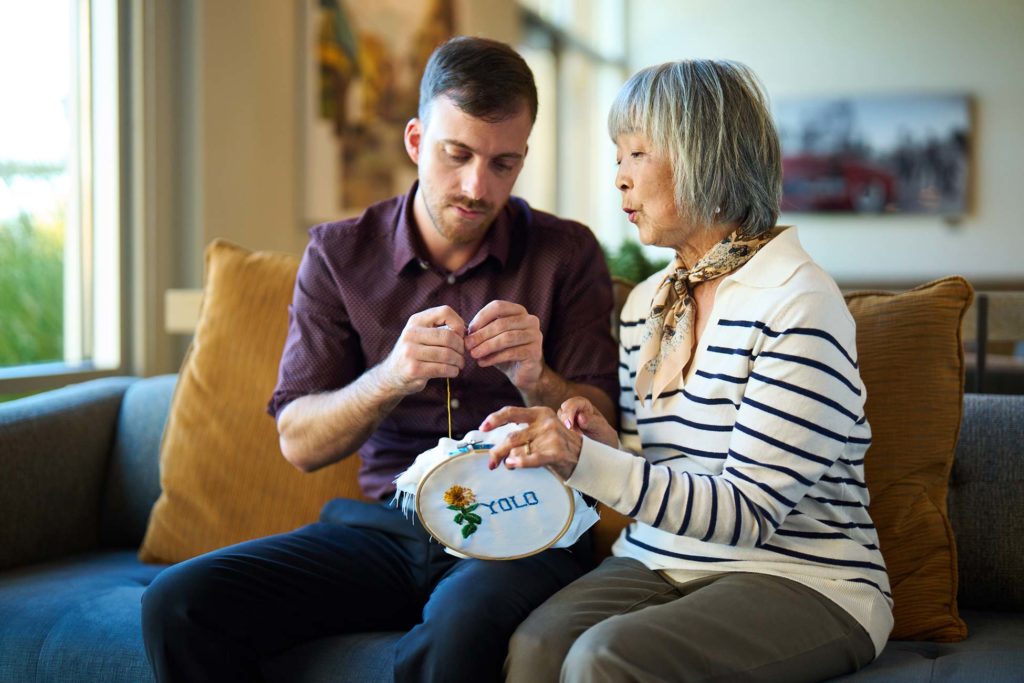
x=79, y=467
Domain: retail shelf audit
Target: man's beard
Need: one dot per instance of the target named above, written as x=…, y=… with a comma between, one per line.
x=449, y=228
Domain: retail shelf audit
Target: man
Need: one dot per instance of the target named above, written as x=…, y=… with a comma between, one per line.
x=378, y=332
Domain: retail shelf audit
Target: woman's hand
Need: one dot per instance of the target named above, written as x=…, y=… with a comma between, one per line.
x=544, y=442
x=580, y=415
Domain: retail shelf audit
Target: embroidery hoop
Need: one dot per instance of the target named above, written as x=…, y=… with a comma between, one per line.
x=482, y=454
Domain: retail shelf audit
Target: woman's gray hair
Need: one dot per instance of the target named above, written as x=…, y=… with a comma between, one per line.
x=711, y=117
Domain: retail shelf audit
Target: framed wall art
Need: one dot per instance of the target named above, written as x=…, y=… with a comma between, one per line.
x=896, y=154
x=362, y=63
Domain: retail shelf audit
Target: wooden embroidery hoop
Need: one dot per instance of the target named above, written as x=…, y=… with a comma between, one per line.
x=444, y=464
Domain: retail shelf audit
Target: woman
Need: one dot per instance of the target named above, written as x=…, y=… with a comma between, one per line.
x=751, y=555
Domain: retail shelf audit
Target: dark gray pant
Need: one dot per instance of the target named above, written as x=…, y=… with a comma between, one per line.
x=624, y=622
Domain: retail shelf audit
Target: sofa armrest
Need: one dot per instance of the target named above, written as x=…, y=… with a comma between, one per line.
x=986, y=495
x=54, y=449
x=133, y=476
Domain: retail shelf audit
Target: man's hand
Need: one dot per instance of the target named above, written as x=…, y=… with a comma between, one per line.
x=506, y=336
x=431, y=345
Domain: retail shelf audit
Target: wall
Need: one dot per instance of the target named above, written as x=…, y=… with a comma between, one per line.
x=247, y=93
x=878, y=47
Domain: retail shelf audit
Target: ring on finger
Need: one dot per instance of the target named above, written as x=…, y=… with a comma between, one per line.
x=527, y=448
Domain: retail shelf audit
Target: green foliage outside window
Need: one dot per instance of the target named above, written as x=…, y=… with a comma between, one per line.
x=630, y=263
x=31, y=290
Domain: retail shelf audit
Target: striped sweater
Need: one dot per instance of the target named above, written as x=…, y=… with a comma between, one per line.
x=754, y=461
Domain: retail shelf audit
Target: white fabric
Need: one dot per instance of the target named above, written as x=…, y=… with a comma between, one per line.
x=521, y=511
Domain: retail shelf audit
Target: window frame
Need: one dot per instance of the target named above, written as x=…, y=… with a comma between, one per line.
x=95, y=264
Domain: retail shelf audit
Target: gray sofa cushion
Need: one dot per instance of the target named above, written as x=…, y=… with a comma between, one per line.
x=986, y=500
x=80, y=620
x=993, y=651
x=75, y=620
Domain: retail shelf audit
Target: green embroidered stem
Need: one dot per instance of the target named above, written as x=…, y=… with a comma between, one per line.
x=461, y=500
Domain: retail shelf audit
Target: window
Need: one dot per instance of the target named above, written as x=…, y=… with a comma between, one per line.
x=60, y=197
x=576, y=49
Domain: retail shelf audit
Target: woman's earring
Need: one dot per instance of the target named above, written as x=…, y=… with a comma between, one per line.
x=718, y=209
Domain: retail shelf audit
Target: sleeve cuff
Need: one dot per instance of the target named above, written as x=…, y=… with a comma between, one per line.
x=602, y=472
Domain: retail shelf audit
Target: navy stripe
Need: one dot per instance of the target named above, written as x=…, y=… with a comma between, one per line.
x=710, y=401
x=629, y=349
x=827, y=369
x=760, y=524
x=669, y=553
x=806, y=424
x=731, y=352
x=684, y=421
x=632, y=323
x=629, y=431
x=808, y=331
x=623, y=366
x=664, y=500
x=813, y=534
x=685, y=451
x=778, y=468
x=844, y=480
x=838, y=503
x=852, y=463
x=739, y=516
x=804, y=392
x=643, y=490
x=764, y=487
x=727, y=378
x=689, y=507
x=713, y=518
x=627, y=410
x=784, y=446
x=823, y=560
x=863, y=442
x=845, y=525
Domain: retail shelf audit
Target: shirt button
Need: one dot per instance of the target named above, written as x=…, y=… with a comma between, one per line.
x=455, y=403
x=423, y=264
x=451, y=279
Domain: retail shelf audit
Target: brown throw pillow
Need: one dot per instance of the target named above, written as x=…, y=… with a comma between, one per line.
x=222, y=474
x=911, y=359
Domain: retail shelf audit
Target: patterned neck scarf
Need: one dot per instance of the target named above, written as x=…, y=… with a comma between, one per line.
x=668, y=335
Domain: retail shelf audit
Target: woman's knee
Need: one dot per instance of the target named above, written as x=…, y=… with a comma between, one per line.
x=601, y=653
x=538, y=647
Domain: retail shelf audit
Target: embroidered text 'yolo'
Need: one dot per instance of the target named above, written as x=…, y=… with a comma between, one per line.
x=514, y=502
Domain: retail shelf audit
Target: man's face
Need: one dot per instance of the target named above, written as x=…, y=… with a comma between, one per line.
x=467, y=167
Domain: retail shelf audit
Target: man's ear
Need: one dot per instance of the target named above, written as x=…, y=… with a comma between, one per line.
x=413, y=139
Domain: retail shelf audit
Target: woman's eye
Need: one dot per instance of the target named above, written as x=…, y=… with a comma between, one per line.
x=636, y=155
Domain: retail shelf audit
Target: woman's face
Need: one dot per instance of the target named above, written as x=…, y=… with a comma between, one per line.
x=648, y=192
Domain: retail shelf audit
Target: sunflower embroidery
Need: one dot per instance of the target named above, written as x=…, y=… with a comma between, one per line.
x=462, y=500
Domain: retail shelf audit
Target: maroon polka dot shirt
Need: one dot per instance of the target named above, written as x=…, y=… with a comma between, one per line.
x=361, y=279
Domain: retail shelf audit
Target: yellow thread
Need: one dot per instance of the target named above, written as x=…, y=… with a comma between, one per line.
x=448, y=386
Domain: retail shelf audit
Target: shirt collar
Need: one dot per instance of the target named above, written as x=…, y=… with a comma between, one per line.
x=496, y=243
x=775, y=262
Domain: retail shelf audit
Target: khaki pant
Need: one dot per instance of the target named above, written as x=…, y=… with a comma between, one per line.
x=624, y=622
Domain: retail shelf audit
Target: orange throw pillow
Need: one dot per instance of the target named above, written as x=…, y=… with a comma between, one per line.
x=912, y=362
x=222, y=474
